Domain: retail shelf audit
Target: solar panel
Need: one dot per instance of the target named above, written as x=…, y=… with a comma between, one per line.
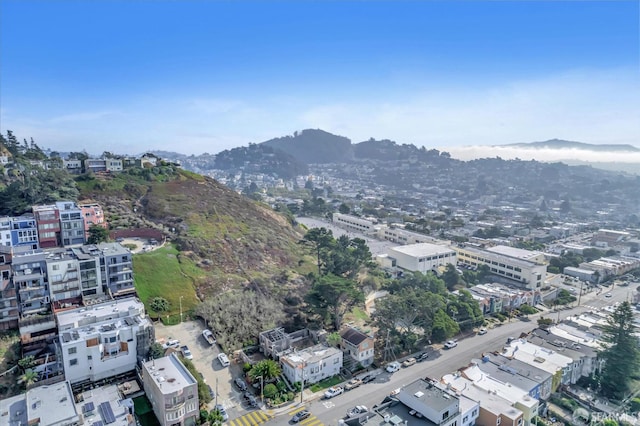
x=98, y=423
x=88, y=407
x=107, y=413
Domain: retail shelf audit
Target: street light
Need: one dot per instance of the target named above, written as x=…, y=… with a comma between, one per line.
x=181, y=308
x=261, y=388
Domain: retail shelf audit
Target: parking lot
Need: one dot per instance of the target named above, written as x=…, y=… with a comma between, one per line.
x=205, y=360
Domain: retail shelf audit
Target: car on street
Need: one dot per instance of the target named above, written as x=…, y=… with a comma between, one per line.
x=240, y=383
x=208, y=336
x=186, y=352
x=300, y=416
x=392, y=367
x=333, y=391
x=422, y=356
x=222, y=357
x=222, y=412
x=251, y=400
x=171, y=343
x=608, y=295
x=450, y=344
x=482, y=331
x=356, y=411
x=409, y=362
x=353, y=383
x=368, y=378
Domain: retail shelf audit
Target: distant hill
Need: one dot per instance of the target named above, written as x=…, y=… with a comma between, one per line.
x=261, y=159
x=314, y=146
x=387, y=150
x=562, y=144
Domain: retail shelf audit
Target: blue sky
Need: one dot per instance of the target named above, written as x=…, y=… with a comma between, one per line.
x=203, y=76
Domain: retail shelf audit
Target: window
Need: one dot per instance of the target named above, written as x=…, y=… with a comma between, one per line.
x=89, y=357
x=445, y=415
x=519, y=421
x=73, y=361
x=466, y=418
x=336, y=360
x=498, y=421
x=72, y=351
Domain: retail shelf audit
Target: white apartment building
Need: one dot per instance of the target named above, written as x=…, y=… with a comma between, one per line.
x=103, y=340
x=422, y=257
x=435, y=403
x=48, y=405
x=172, y=391
x=525, y=272
x=311, y=365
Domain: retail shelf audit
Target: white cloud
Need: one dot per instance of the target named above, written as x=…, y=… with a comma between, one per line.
x=586, y=105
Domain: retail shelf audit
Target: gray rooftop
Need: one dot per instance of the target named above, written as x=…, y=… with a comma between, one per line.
x=422, y=249
x=431, y=395
x=523, y=368
x=507, y=374
x=52, y=404
x=169, y=373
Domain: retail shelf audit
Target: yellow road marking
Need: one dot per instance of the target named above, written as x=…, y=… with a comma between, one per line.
x=295, y=410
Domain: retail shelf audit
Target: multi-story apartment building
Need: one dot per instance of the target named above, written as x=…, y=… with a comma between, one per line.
x=48, y=220
x=117, y=269
x=48, y=405
x=63, y=275
x=103, y=340
x=311, y=365
x=102, y=165
x=172, y=391
x=434, y=403
x=71, y=224
x=20, y=231
x=91, y=271
x=8, y=297
x=93, y=215
x=527, y=273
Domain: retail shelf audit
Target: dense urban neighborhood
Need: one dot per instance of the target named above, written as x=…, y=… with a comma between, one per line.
x=417, y=301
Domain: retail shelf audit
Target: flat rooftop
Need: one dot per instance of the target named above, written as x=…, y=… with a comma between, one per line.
x=52, y=404
x=169, y=373
x=422, y=249
x=311, y=355
x=515, y=252
x=430, y=394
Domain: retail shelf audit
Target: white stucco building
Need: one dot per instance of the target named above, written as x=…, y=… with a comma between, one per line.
x=312, y=364
x=422, y=257
x=103, y=340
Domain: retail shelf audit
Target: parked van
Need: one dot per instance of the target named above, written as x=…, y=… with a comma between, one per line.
x=223, y=359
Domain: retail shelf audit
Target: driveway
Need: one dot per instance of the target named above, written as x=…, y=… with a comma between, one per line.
x=206, y=362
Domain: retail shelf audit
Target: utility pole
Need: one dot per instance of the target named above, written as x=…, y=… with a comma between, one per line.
x=216, y=391
x=181, y=308
x=580, y=294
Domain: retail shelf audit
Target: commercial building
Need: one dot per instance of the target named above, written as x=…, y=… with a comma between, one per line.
x=103, y=340
x=172, y=391
x=312, y=365
x=355, y=223
x=422, y=257
x=517, y=270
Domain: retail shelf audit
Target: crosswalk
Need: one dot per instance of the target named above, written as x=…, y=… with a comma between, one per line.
x=309, y=421
x=252, y=418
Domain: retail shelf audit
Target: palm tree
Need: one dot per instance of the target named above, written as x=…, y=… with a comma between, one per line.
x=268, y=369
x=29, y=377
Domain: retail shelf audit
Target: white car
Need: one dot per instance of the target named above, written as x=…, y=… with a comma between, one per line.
x=186, y=352
x=392, y=367
x=223, y=359
x=449, y=344
x=172, y=343
x=357, y=410
x=334, y=391
x=208, y=336
x=482, y=331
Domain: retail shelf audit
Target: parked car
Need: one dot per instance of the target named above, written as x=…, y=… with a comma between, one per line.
x=368, y=378
x=223, y=359
x=186, y=352
x=300, y=415
x=450, y=344
x=357, y=410
x=222, y=412
x=172, y=343
x=251, y=400
x=352, y=384
x=409, y=362
x=208, y=336
x=608, y=295
x=240, y=383
x=119, y=240
x=423, y=356
x=392, y=367
x=482, y=331
x=334, y=391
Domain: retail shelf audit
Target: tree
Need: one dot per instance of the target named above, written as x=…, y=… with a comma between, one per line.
x=156, y=351
x=620, y=352
x=334, y=339
x=29, y=377
x=97, y=234
x=331, y=297
x=160, y=304
x=26, y=362
x=270, y=390
x=215, y=417
x=268, y=369
x=320, y=239
x=450, y=276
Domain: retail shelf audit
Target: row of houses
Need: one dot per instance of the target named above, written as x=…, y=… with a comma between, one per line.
x=509, y=386
x=61, y=224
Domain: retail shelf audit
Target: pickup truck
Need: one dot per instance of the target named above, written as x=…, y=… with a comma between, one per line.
x=208, y=336
x=352, y=384
x=334, y=391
